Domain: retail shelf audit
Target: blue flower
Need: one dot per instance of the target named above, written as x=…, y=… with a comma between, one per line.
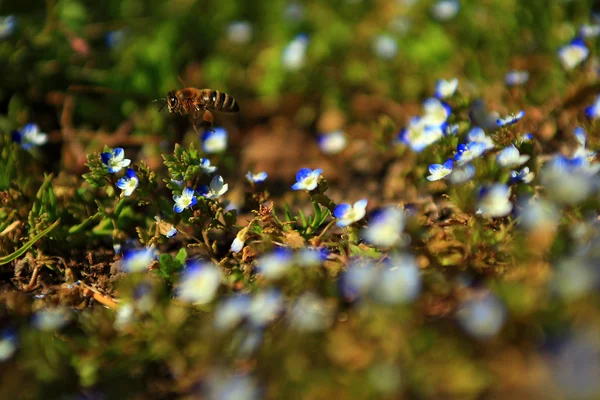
x=348, y=214
x=294, y=53
x=582, y=151
x=494, y=201
x=51, y=319
x=199, y=283
x=462, y=174
x=231, y=312
x=593, y=111
x=214, y=141
x=309, y=313
x=115, y=160
x=478, y=135
x=436, y=112
x=510, y=119
x=466, y=153
x=451, y=129
x=482, y=317
x=7, y=26
x=358, y=280
x=510, y=157
x=311, y=256
x=216, y=188
x=256, y=178
x=113, y=38
x=525, y=176
x=385, y=46
x=445, y=10
x=238, y=243
x=266, y=306
x=445, y=89
x=185, y=200
x=385, y=227
x=332, y=143
x=440, y=171
x=573, y=54
x=399, y=281
x=205, y=166
x=418, y=135
x=165, y=228
x=29, y=136
x=516, y=77
x=128, y=183
x=307, y=179
x=138, y=260
x=274, y=265
x=589, y=31
x=482, y=117
x=8, y=344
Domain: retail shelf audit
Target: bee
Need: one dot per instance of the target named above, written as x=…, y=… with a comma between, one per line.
x=198, y=104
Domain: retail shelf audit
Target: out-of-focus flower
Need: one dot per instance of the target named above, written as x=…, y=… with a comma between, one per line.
x=494, y=201
x=185, y=200
x=128, y=183
x=239, y=32
x=385, y=46
x=436, y=112
x=231, y=312
x=307, y=179
x=569, y=180
x=466, y=153
x=115, y=160
x=138, y=260
x=8, y=344
x=199, y=283
x=445, y=10
x=294, y=54
x=577, y=366
x=510, y=157
x=358, y=280
x=274, y=265
x=516, y=77
x=589, y=31
x=124, y=316
x=524, y=138
x=294, y=11
x=237, y=387
x=582, y=151
x=482, y=117
x=385, y=227
x=440, y=171
x=537, y=213
x=265, y=307
x=205, y=166
x=333, y=142
x=593, y=111
x=214, y=141
x=51, y=319
x=7, y=26
x=311, y=256
x=256, y=178
x=238, y=243
x=399, y=281
x=462, y=174
x=309, y=313
x=29, y=136
x=573, y=54
x=113, y=38
x=347, y=214
x=418, y=135
x=482, y=317
x=523, y=176
x=216, y=188
x=510, y=119
x=451, y=129
x=445, y=89
x=478, y=135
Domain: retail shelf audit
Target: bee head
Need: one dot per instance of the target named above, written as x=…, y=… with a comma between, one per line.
x=172, y=101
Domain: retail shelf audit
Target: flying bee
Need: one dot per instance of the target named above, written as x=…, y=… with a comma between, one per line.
x=198, y=104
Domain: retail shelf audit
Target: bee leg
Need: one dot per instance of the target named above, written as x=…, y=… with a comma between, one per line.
x=207, y=120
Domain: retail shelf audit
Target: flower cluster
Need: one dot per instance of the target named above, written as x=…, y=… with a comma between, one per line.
x=427, y=129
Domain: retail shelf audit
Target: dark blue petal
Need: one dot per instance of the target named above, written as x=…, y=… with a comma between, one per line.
x=106, y=157
x=302, y=174
x=341, y=210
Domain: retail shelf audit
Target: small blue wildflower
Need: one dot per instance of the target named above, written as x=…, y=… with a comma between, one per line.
x=445, y=89
x=417, y=135
x=115, y=160
x=294, y=53
x=445, y=10
x=569, y=180
x=538, y=213
x=582, y=151
x=494, y=201
x=478, y=135
x=128, y=183
x=294, y=11
x=256, y=178
x=399, y=281
x=216, y=188
x=51, y=319
x=589, y=31
x=29, y=136
x=510, y=157
x=239, y=32
x=440, y=171
x=8, y=344
x=358, y=280
x=199, y=283
x=348, y=214
x=138, y=260
x=165, y=228
x=593, y=111
x=385, y=227
x=482, y=117
x=385, y=47
x=524, y=138
x=523, y=176
x=266, y=306
x=7, y=26
x=510, y=119
x=178, y=182
x=462, y=174
x=516, y=77
x=573, y=54
x=274, y=265
x=466, y=153
x=231, y=312
x=214, y=141
x=236, y=387
x=482, y=317
x=436, y=112
x=307, y=179
x=205, y=166
x=185, y=200
x=309, y=313
x=332, y=143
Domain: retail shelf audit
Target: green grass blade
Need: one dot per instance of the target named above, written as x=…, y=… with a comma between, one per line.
x=26, y=246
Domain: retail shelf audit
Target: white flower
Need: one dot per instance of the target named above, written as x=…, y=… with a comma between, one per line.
x=274, y=265
x=385, y=46
x=128, y=183
x=347, y=214
x=516, y=77
x=478, y=135
x=205, y=166
x=333, y=142
x=8, y=345
x=216, y=189
x=265, y=307
x=231, y=311
x=239, y=32
x=256, y=178
x=214, y=141
x=51, y=319
x=138, y=260
x=115, y=160
x=294, y=54
x=185, y=200
x=482, y=317
x=445, y=89
x=399, y=281
x=30, y=136
x=385, y=227
x=445, y=10
x=494, y=201
x=238, y=243
x=309, y=314
x=573, y=54
x=510, y=157
x=307, y=179
x=199, y=283
x=436, y=112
